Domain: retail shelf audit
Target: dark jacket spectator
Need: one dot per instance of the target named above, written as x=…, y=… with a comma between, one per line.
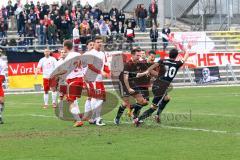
x=121, y=28
x=154, y=37
x=113, y=12
x=30, y=32
x=142, y=14
x=137, y=14
x=106, y=16
x=132, y=21
x=121, y=17
x=52, y=33
x=114, y=26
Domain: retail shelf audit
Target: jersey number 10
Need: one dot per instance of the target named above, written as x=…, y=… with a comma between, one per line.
x=170, y=72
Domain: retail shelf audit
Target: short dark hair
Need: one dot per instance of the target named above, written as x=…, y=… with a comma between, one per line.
x=97, y=38
x=152, y=52
x=134, y=51
x=89, y=41
x=68, y=44
x=173, y=53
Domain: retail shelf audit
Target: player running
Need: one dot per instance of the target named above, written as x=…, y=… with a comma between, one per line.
x=3, y=66
x=97, y=69
x=162, y=82
x=129, y=85
x=47, y=64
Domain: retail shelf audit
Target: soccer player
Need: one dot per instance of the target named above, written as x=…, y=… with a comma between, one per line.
x=3, y=66
x=75, y=82
x=162, y=83
x=128, y=85
x=88, y=109
x=97, y=69
x=47, y=64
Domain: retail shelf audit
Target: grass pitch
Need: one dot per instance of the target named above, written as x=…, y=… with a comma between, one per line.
x=199, y=123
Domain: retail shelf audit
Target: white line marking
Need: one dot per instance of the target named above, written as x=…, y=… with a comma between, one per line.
x=149, y=124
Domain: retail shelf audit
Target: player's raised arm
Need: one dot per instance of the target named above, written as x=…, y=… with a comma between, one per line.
x=186, y=51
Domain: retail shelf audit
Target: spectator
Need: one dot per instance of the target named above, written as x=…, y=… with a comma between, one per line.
x=132, y=21
x=142, y=14
x=153, y=12
x=95, y=30
x=64, y=29
x=63, y=8
x=121, y=28
x=73, y=14
x=104, y=29
x=32, y=17
x=114, y=26
x=19, y=10
x=79, y=6
x=97, y=13
x=2, y=29
x=106, y=16
x=87, y=7
x=46, y=21
x=76, y=37
x=91, y=22
x=113, y=12
x=32, y=6
x=39, y=6
x=130, y=35
x=52, y=33
x=22, y=22
x=137, y=15
x=85, y=32
x=121, y=17
x=69, y=5
x=154, y=37
x=10, y=13
x=165, y=31
x=27, y=7
x=41, y=33
x=30, y=32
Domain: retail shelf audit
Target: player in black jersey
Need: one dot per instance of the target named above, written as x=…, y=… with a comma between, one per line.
x=166, y=75
x=130, y=85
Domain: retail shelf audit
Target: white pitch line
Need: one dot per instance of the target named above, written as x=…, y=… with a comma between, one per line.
x=150, y=124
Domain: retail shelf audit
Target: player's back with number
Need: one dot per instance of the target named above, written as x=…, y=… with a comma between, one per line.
x=171, y=68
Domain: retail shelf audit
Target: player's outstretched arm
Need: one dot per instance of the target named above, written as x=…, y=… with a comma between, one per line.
x=148, y=71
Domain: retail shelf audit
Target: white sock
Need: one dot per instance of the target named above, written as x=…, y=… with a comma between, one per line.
x=1, y=109
x=45, y=98
x=97, y=108
x=54, y=97
x=76, y=103
x=75, y=112
x=88, y=106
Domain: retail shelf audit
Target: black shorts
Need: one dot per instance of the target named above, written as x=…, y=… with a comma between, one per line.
x=157, y=100
x=144, y=91
x=160, y=87
x=124, y=91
